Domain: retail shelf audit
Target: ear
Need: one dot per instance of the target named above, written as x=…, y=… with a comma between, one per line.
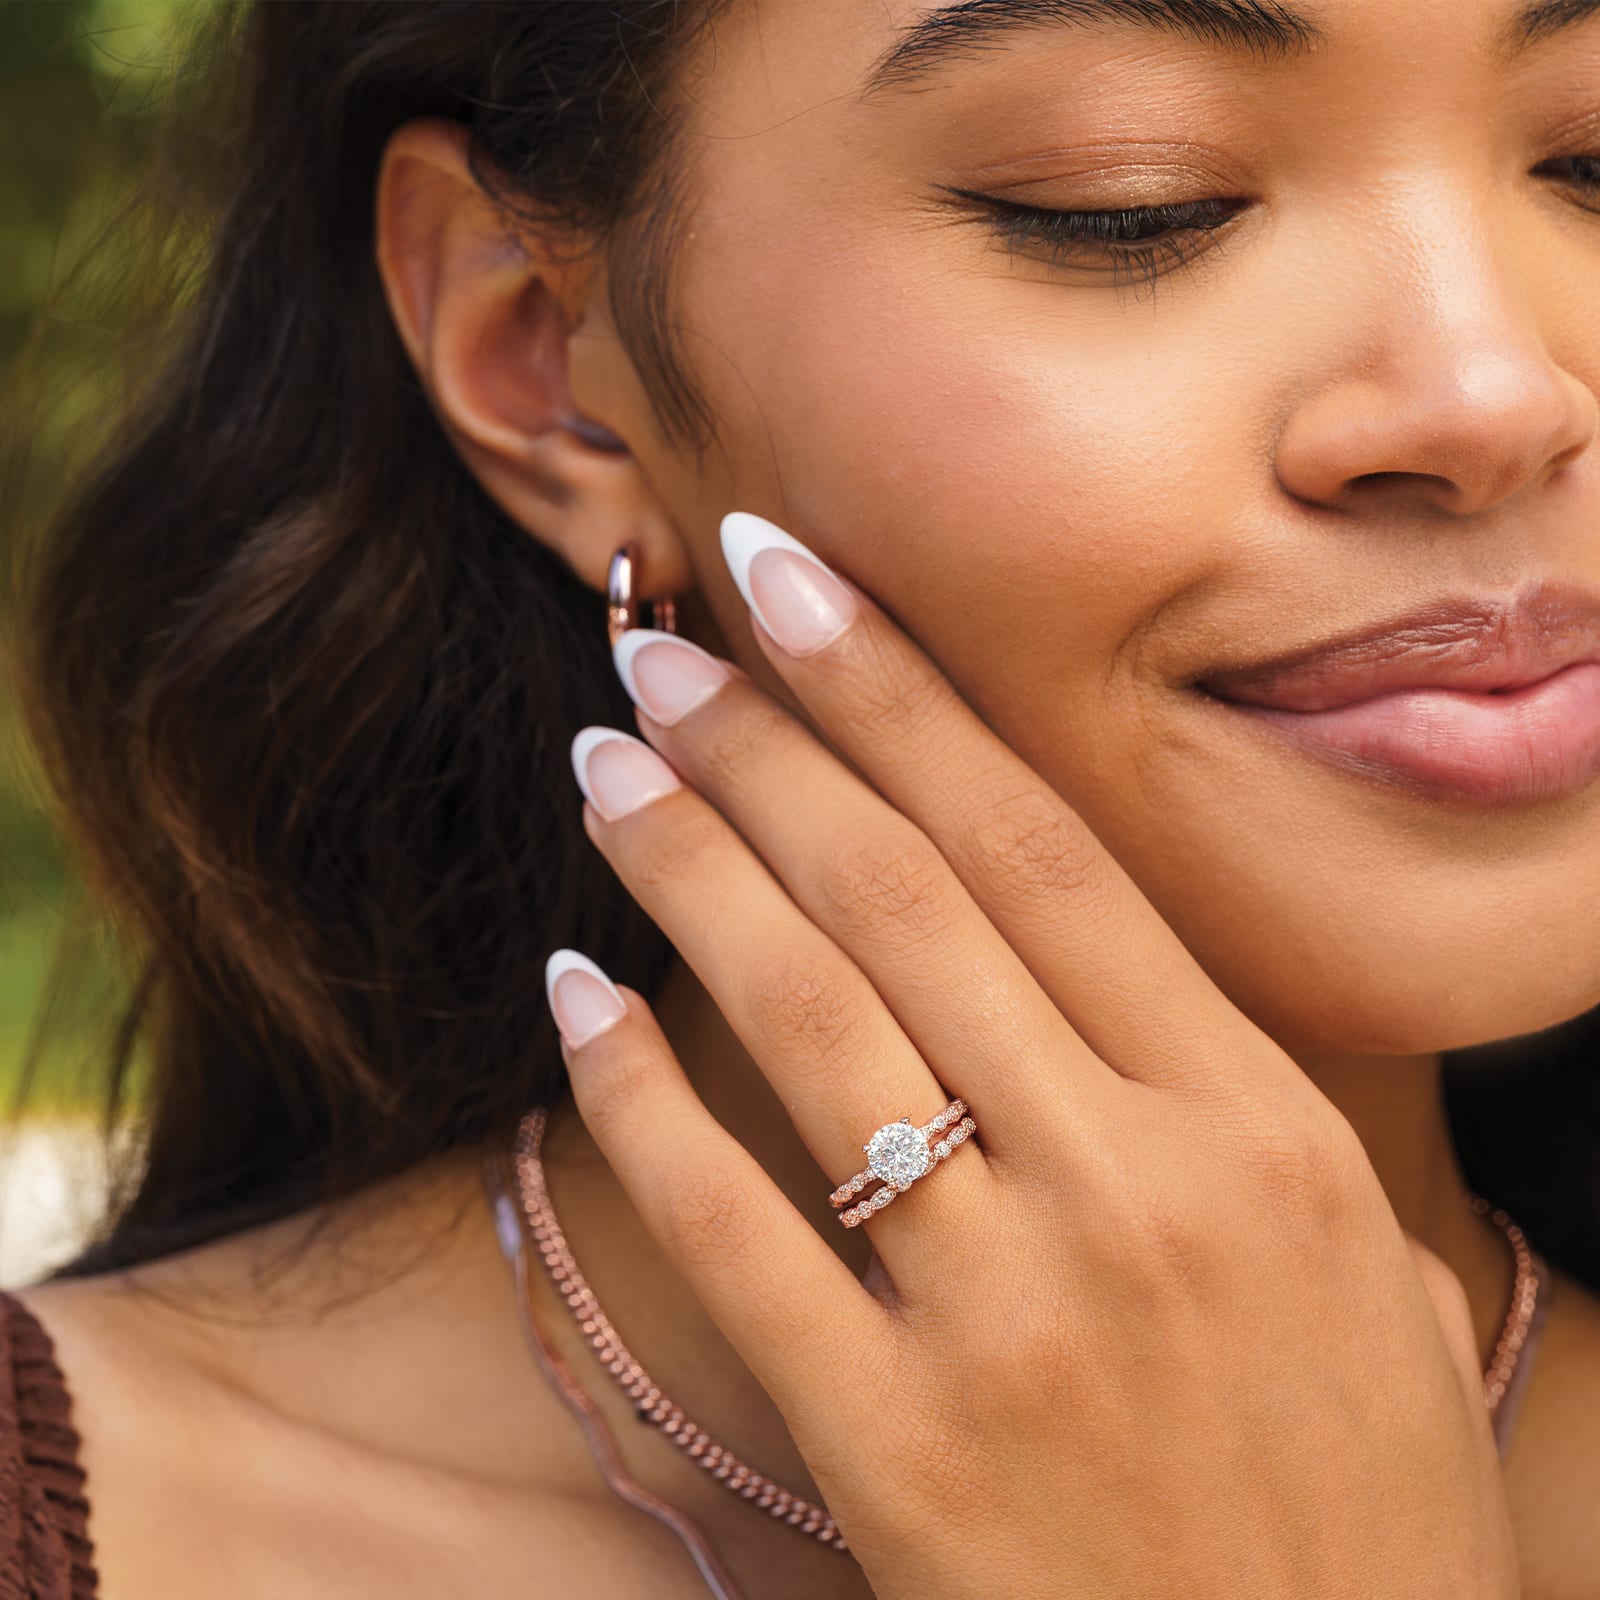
x=486, y=315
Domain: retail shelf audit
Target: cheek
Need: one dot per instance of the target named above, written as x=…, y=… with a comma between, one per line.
x=913, y=449
x=1027, y=497
x=1052, y=481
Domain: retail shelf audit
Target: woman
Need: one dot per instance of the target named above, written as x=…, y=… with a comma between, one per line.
x=1125, y=478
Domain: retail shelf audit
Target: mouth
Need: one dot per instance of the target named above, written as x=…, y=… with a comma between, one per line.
x=1493, y=702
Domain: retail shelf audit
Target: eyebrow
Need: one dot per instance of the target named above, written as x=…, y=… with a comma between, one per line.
x=1267, y=28
x=1537, y=22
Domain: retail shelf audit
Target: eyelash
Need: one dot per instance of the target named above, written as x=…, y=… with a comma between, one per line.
x=1064, y=236
x=1592, y=180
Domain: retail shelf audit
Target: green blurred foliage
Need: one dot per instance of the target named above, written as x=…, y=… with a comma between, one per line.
x=82, y=87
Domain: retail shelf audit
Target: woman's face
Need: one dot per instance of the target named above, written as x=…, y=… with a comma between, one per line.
x=1085, y=482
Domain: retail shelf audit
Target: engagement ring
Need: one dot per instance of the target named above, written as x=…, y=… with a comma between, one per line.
x=898, y=1154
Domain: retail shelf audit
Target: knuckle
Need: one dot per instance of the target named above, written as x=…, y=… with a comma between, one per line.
x=673, y=853
x=1167, y=1238
x=808, y=1006
x=890, y=878
x=1029, y=842
x=610, y=1097
x=1311, y=1160
x=895, y=693
x=712, y=1221
x=734, y=745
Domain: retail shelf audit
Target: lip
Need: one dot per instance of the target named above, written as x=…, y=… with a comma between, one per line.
x=1494, y=701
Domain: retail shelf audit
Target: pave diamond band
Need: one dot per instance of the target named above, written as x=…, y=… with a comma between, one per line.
x=897, y=1155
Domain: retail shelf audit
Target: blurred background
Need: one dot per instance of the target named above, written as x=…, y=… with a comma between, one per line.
x=81, y=90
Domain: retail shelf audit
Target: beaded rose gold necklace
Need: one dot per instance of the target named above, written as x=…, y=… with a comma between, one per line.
x=1507, y=1372
x=653, y=1405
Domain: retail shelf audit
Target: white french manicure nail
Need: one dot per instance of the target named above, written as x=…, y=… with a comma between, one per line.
x=796, y=597
x=617, y=772
x=582, y=999
x=665, y=673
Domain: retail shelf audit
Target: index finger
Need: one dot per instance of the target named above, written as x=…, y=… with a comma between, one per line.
x=1092, y=940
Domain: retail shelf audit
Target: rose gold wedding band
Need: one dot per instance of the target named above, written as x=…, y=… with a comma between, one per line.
x=898, y=1154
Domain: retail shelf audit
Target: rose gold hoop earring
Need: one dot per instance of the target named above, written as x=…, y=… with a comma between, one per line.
x=622, y=601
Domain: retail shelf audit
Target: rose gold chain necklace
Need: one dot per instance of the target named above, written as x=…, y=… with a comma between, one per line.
x=1523, y=1320
x=653, y=1405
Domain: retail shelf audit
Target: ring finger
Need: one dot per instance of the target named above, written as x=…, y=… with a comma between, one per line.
x=811, y=1020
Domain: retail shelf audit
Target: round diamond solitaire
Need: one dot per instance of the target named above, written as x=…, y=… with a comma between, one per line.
x=898, y=1153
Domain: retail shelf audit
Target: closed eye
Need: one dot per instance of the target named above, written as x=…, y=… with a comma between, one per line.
x=1125, y=244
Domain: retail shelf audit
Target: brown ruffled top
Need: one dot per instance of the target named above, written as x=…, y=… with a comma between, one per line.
x=45, y=1551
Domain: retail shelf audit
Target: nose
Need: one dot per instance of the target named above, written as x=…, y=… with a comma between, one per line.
x=1454, y=405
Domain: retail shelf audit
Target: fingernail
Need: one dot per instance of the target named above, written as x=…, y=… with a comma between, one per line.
x=667, y=675
x=619, y=773
x=795, y=597
x=583, y=1000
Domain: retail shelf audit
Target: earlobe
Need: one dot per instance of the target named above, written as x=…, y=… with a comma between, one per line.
x=486, y=317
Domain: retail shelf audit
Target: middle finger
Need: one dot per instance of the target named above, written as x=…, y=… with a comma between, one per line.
x=878, y=886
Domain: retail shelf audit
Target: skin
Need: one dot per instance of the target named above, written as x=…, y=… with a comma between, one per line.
x=1128, y=489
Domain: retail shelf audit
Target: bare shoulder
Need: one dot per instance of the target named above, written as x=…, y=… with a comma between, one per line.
x=116, y=1352
x=1553, y=1462
x=119, y=1374
x=92, y=1321
x=200, y=1484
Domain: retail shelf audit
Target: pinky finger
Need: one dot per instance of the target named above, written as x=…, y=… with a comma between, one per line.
x=780, y=1295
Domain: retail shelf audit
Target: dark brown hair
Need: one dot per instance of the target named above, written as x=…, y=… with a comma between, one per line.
x=306, y=694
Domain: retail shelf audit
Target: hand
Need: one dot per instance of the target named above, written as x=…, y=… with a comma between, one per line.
x=1153, y=1330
